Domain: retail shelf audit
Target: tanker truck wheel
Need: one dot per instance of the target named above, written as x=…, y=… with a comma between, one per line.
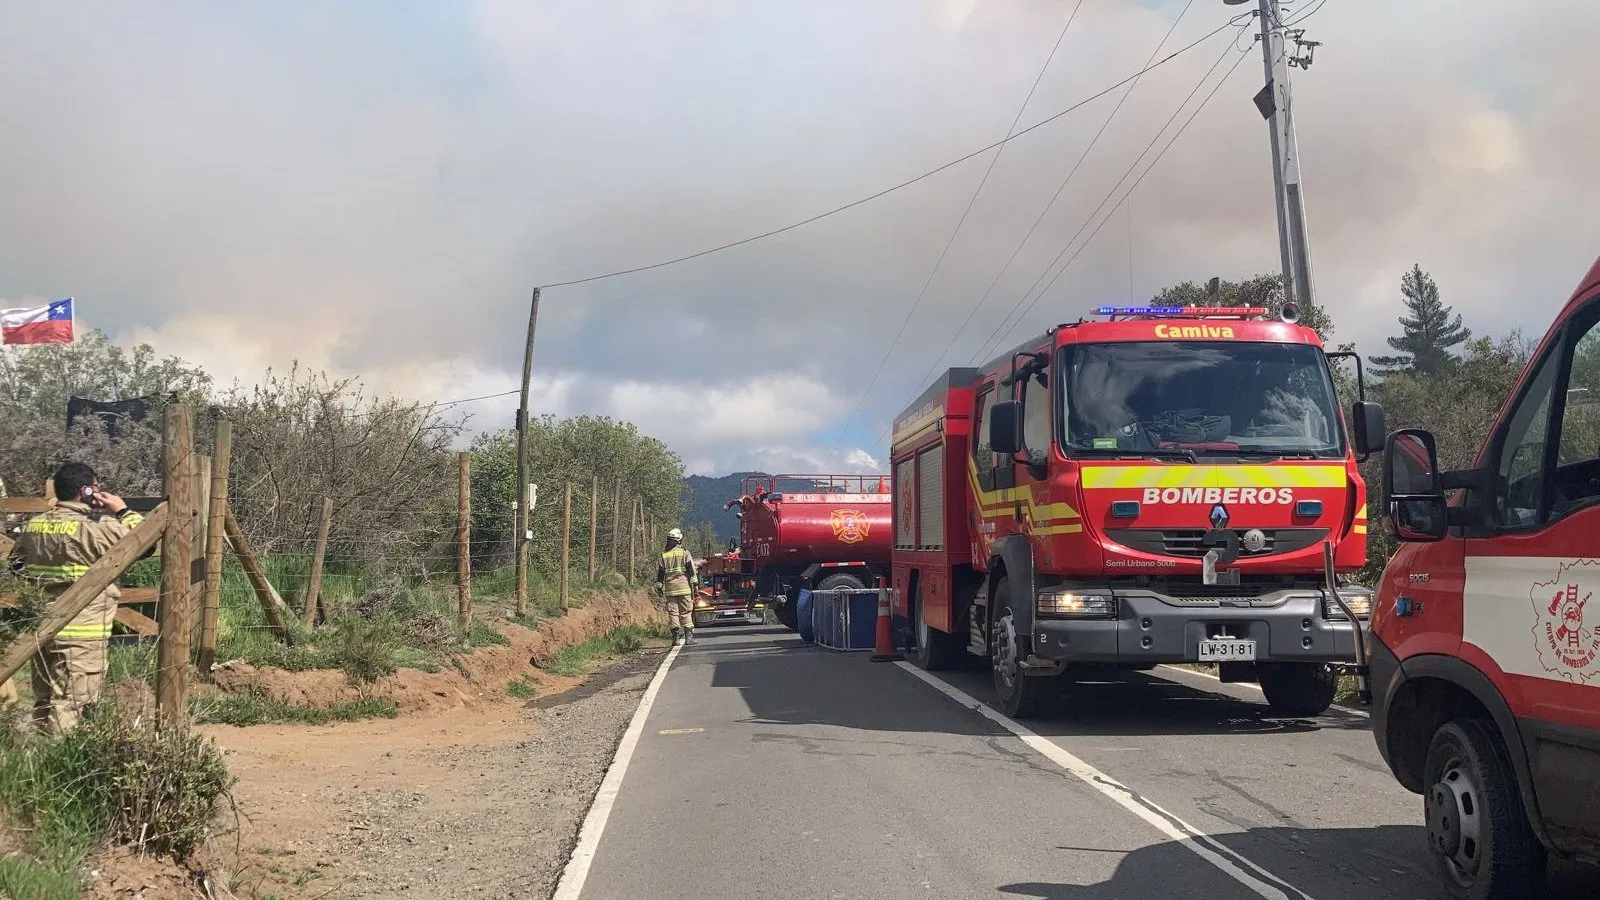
x=843, y=581
x=1300, y=690
x=788, y=612
x=1017, y=694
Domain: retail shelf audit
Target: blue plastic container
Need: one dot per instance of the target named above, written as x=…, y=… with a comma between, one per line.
x=803, y=610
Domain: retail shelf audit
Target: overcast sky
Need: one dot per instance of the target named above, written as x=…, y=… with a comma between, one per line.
x=373, y=187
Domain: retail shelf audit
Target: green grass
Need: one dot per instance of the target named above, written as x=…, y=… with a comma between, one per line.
x=115, y=778
x=578, y=659
x=25, y=879
x=523, y=688
x=256, y=707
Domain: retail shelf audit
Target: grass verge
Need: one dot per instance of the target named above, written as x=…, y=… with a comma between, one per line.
x=579, y=659
x=256, y=707
x=115, y=778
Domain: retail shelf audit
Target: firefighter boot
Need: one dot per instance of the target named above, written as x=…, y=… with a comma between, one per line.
x=677, y=638
x=688, y=635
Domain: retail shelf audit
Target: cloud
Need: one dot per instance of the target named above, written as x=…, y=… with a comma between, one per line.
x=376, y=190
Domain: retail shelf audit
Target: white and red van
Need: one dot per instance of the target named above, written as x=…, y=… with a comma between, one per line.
x=1484, y=650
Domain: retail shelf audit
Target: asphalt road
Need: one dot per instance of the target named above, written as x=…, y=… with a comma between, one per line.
x=772, y=768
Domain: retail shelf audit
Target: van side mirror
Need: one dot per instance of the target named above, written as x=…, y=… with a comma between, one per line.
x=1005, y=427
x=1366, y=419
x=1411, y=483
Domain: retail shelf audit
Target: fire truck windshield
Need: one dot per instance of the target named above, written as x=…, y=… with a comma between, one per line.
x=1220, y=398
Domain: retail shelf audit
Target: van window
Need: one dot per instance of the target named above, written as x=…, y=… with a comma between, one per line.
x=1521, y=484
x=1577, y=476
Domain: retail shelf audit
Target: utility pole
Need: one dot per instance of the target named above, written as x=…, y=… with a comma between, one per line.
x=1274, y=102
x=522, y=461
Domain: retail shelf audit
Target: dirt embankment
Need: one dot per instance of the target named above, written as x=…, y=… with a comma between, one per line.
x=467, y=793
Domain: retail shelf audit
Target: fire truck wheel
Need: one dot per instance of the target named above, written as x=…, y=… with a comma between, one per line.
x=1017, y=694
x=787, y=614
x=1478, y=831
x=934, y=651
x=843, y=581
x=1299, y=689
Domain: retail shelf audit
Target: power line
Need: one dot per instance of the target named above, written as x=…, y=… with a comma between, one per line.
x=973, y=311
x=971, y=202
x=1007, y=323
x=1135, y=184
x=889, y=190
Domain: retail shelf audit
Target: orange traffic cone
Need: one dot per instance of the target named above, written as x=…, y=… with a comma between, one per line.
x=885, y=652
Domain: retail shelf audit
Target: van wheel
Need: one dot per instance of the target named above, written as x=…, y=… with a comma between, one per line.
x=1298, y=689
x=1478, y=831
x=1017, y=694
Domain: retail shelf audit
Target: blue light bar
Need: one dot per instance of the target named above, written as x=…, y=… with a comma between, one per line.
x=1139, y=311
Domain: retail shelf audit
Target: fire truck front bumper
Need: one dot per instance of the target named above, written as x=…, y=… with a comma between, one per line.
x=1141, y=628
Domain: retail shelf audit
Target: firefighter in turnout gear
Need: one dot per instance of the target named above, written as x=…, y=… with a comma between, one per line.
x=678, y=581
x=55, y=549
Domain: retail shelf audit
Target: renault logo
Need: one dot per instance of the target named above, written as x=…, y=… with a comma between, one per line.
x=1219, y=516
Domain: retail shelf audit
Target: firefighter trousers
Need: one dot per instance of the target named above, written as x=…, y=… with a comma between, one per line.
x=69, y=671
x=680, y=611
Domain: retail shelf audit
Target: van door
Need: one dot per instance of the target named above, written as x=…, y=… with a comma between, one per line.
x=1530, y=611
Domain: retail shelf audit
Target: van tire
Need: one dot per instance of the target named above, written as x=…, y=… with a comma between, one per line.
x=1467, y=766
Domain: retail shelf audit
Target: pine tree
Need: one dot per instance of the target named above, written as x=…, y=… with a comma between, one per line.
x=1428, y=337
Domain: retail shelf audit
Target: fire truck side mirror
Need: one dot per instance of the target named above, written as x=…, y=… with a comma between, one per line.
x=1411, y=482
x=1366, y=420
x=1005, y=427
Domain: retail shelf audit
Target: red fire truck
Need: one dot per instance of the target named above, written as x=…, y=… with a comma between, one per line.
x=812, y=531
x=1158, y=487
x=1484, y=653
x=726, y=595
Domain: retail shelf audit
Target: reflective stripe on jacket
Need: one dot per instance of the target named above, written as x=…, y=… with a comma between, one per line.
x=58, y=546
x=676, y=573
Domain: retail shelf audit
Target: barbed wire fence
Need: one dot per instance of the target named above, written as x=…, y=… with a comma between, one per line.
x=271, y=595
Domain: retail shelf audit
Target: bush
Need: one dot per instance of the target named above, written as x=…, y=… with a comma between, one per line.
x=115, y=778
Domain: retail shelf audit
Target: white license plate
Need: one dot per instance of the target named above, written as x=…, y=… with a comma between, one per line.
x=731, y=613
x=1227, y=651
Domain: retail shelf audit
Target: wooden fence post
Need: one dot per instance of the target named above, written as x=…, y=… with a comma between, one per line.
x=633, y=541
x=594, y=526
x=271, y=603
x=221, y=462
x=319, y=557
x=464, y=542
x=524, y=524
x=616, y=528
x=566, y=545
x=177, y=552
x=197, y=562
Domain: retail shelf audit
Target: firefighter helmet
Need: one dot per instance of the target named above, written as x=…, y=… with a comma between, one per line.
x=675, y=534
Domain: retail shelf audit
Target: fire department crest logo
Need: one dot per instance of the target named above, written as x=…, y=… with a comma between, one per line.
x=850, y=526
x=1567, y=626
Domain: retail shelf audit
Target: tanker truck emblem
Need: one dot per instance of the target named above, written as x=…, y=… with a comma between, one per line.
x=1569, y=641
x=850, y=526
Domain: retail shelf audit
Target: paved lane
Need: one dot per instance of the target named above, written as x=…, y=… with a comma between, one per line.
x=768, y=768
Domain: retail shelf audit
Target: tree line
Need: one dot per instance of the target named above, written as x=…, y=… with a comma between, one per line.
x=1440, y=376
x=389, y=463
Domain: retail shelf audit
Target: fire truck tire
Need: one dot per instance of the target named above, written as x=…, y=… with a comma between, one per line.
x=934, y=651
x=843, y=581
x=788, y=614
x=1478, y=832
x=1299, y=689
x=1017, y=695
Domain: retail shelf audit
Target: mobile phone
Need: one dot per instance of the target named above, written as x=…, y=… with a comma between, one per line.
x=87, y=493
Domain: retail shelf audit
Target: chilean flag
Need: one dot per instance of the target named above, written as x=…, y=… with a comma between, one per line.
x=50, y=324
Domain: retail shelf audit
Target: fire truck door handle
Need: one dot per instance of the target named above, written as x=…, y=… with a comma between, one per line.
x=1017, y=509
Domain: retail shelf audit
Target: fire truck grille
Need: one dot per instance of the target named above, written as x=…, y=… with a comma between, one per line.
x=1187, y=541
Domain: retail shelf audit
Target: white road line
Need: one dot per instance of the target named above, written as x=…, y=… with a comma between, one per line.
x=1226, y=860
x=1257, y=688
x=570, y=887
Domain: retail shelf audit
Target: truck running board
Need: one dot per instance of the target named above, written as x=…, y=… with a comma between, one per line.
x=977, y=626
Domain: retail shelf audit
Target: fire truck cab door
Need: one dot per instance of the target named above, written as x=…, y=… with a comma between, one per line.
x=1530, y=610
x=1031, y=468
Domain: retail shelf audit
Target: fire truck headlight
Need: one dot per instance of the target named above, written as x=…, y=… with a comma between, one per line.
x=1357, y=598
x=1072, y=604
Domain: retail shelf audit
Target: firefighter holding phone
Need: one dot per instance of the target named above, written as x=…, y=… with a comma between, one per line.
x=55, y=549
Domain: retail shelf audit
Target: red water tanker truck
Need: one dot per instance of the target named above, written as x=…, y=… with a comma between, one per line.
x=816, y=532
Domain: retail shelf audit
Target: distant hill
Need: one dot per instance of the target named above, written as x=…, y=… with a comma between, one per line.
x=706, y=497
